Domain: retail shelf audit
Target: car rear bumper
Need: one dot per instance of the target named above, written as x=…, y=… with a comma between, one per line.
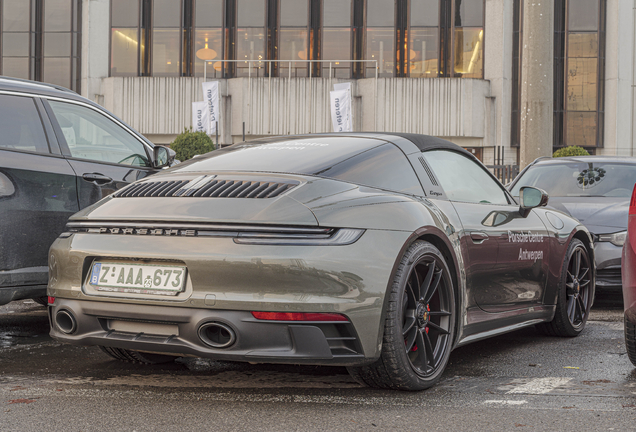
x=176, y=331
x=628, y=270
x=226, y=281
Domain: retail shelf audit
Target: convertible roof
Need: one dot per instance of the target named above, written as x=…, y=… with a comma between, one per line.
x=427, y=142
x=422, y=142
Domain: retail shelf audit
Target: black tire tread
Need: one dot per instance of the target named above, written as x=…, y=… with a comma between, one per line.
x=560, y=325
x=387, y=372
x=630, y=341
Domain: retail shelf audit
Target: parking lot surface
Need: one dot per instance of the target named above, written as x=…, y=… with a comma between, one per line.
x=519, y=381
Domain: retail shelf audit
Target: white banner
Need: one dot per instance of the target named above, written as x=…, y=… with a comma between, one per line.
x=211, y=97
x=342, y=86
x=200, y=116
x=341, y=111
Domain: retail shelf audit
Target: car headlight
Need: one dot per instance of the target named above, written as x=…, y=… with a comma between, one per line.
x=617, y=239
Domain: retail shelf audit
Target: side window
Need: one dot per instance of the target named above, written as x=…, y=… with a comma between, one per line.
x=20, y=125
x=383, y=167
x=463, y=179
x=91, y=135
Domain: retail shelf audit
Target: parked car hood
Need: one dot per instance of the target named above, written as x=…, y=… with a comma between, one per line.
x=601, y=215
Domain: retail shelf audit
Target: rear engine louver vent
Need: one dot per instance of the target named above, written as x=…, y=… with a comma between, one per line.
x=213, y=188
x=428, y=171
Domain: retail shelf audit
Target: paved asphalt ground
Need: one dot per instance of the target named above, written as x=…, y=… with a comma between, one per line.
x=521, y=381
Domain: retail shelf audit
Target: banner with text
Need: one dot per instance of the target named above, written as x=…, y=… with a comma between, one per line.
x=200, y=117
x=341, y=116
x=211, y=97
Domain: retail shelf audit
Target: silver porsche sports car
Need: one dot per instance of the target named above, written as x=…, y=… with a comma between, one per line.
x=380, y=252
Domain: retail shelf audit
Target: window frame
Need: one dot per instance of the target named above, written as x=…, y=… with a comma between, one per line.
x=62, y=140
x=51, y=143
x=509, y=198
x=561, y=66
x=406, y=64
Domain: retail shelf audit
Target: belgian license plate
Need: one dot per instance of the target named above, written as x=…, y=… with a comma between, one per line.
x=137, y=278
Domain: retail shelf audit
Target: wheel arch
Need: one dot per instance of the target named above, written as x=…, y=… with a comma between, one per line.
x=583, y=234
x=439, y=239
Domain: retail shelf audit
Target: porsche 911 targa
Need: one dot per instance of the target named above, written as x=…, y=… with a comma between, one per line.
x=379, y=252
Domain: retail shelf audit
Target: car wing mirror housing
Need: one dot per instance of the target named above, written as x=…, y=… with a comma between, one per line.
x=531, y=197
x=162, y=156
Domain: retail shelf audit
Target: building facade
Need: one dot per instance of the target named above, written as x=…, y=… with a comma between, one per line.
x=508, y=79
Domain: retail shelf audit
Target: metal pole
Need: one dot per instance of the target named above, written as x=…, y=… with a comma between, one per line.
x=249, y=105
x=289, y=100
x=205, y=70
x=216, y=129
x=269, y=97
x=376, y=96
x=243, y=131
x=310, y=107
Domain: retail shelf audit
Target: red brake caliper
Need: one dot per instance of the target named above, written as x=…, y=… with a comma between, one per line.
x=428, y=308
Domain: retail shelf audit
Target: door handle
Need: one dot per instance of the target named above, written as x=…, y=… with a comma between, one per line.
x=478, y=236
x=97, y=178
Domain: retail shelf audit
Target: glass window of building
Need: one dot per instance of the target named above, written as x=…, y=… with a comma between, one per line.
x=166, y=38
x=208, y=37
x=293, y=37
x=579, y=64
x=41, y=40
x=336, y=38
x=16, y=16
x=250, y=37
x=380, y=37
x=468, y=38
x=582, y=78
x=423, y=39
x=125, y=38
x=58, y=28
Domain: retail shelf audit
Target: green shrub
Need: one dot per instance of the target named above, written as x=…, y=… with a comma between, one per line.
x=570, y=151
x=189, y=144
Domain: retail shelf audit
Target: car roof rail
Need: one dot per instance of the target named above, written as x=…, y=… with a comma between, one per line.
x=36, y=83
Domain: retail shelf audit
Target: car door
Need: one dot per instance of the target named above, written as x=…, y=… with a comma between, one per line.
x=105, y=155
x=38, y=192
x=506, y=254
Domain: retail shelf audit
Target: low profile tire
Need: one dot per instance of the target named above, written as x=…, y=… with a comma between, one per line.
x=630, y=341
x=136, y=356
x=575, y=295
x=419, y=325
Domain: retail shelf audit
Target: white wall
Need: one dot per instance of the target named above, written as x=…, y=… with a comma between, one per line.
x=95, y=47
x=455, y=108
x=619, y=78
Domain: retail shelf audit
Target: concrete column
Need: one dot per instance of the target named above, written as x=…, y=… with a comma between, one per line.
x=498, y=70
x=537, y=94
x=95, y=47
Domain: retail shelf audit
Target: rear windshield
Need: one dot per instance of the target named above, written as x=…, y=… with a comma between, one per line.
x=580, y=179
x=363, y=161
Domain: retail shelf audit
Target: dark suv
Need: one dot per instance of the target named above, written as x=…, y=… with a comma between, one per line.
x=59, y=152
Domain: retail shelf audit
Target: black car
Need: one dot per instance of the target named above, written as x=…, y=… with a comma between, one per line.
x=596, y=191
x=59, y=152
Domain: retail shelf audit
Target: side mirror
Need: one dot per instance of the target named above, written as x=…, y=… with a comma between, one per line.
x=162, y=156
x=531, y=197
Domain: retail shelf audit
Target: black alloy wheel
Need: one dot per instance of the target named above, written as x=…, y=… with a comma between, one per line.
x=419, y=325
x=575, y=293
x=578, y=281
x=426, y=316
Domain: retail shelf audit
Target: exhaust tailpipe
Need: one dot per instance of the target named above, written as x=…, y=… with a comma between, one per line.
x=217, y=335
x=65, y=321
